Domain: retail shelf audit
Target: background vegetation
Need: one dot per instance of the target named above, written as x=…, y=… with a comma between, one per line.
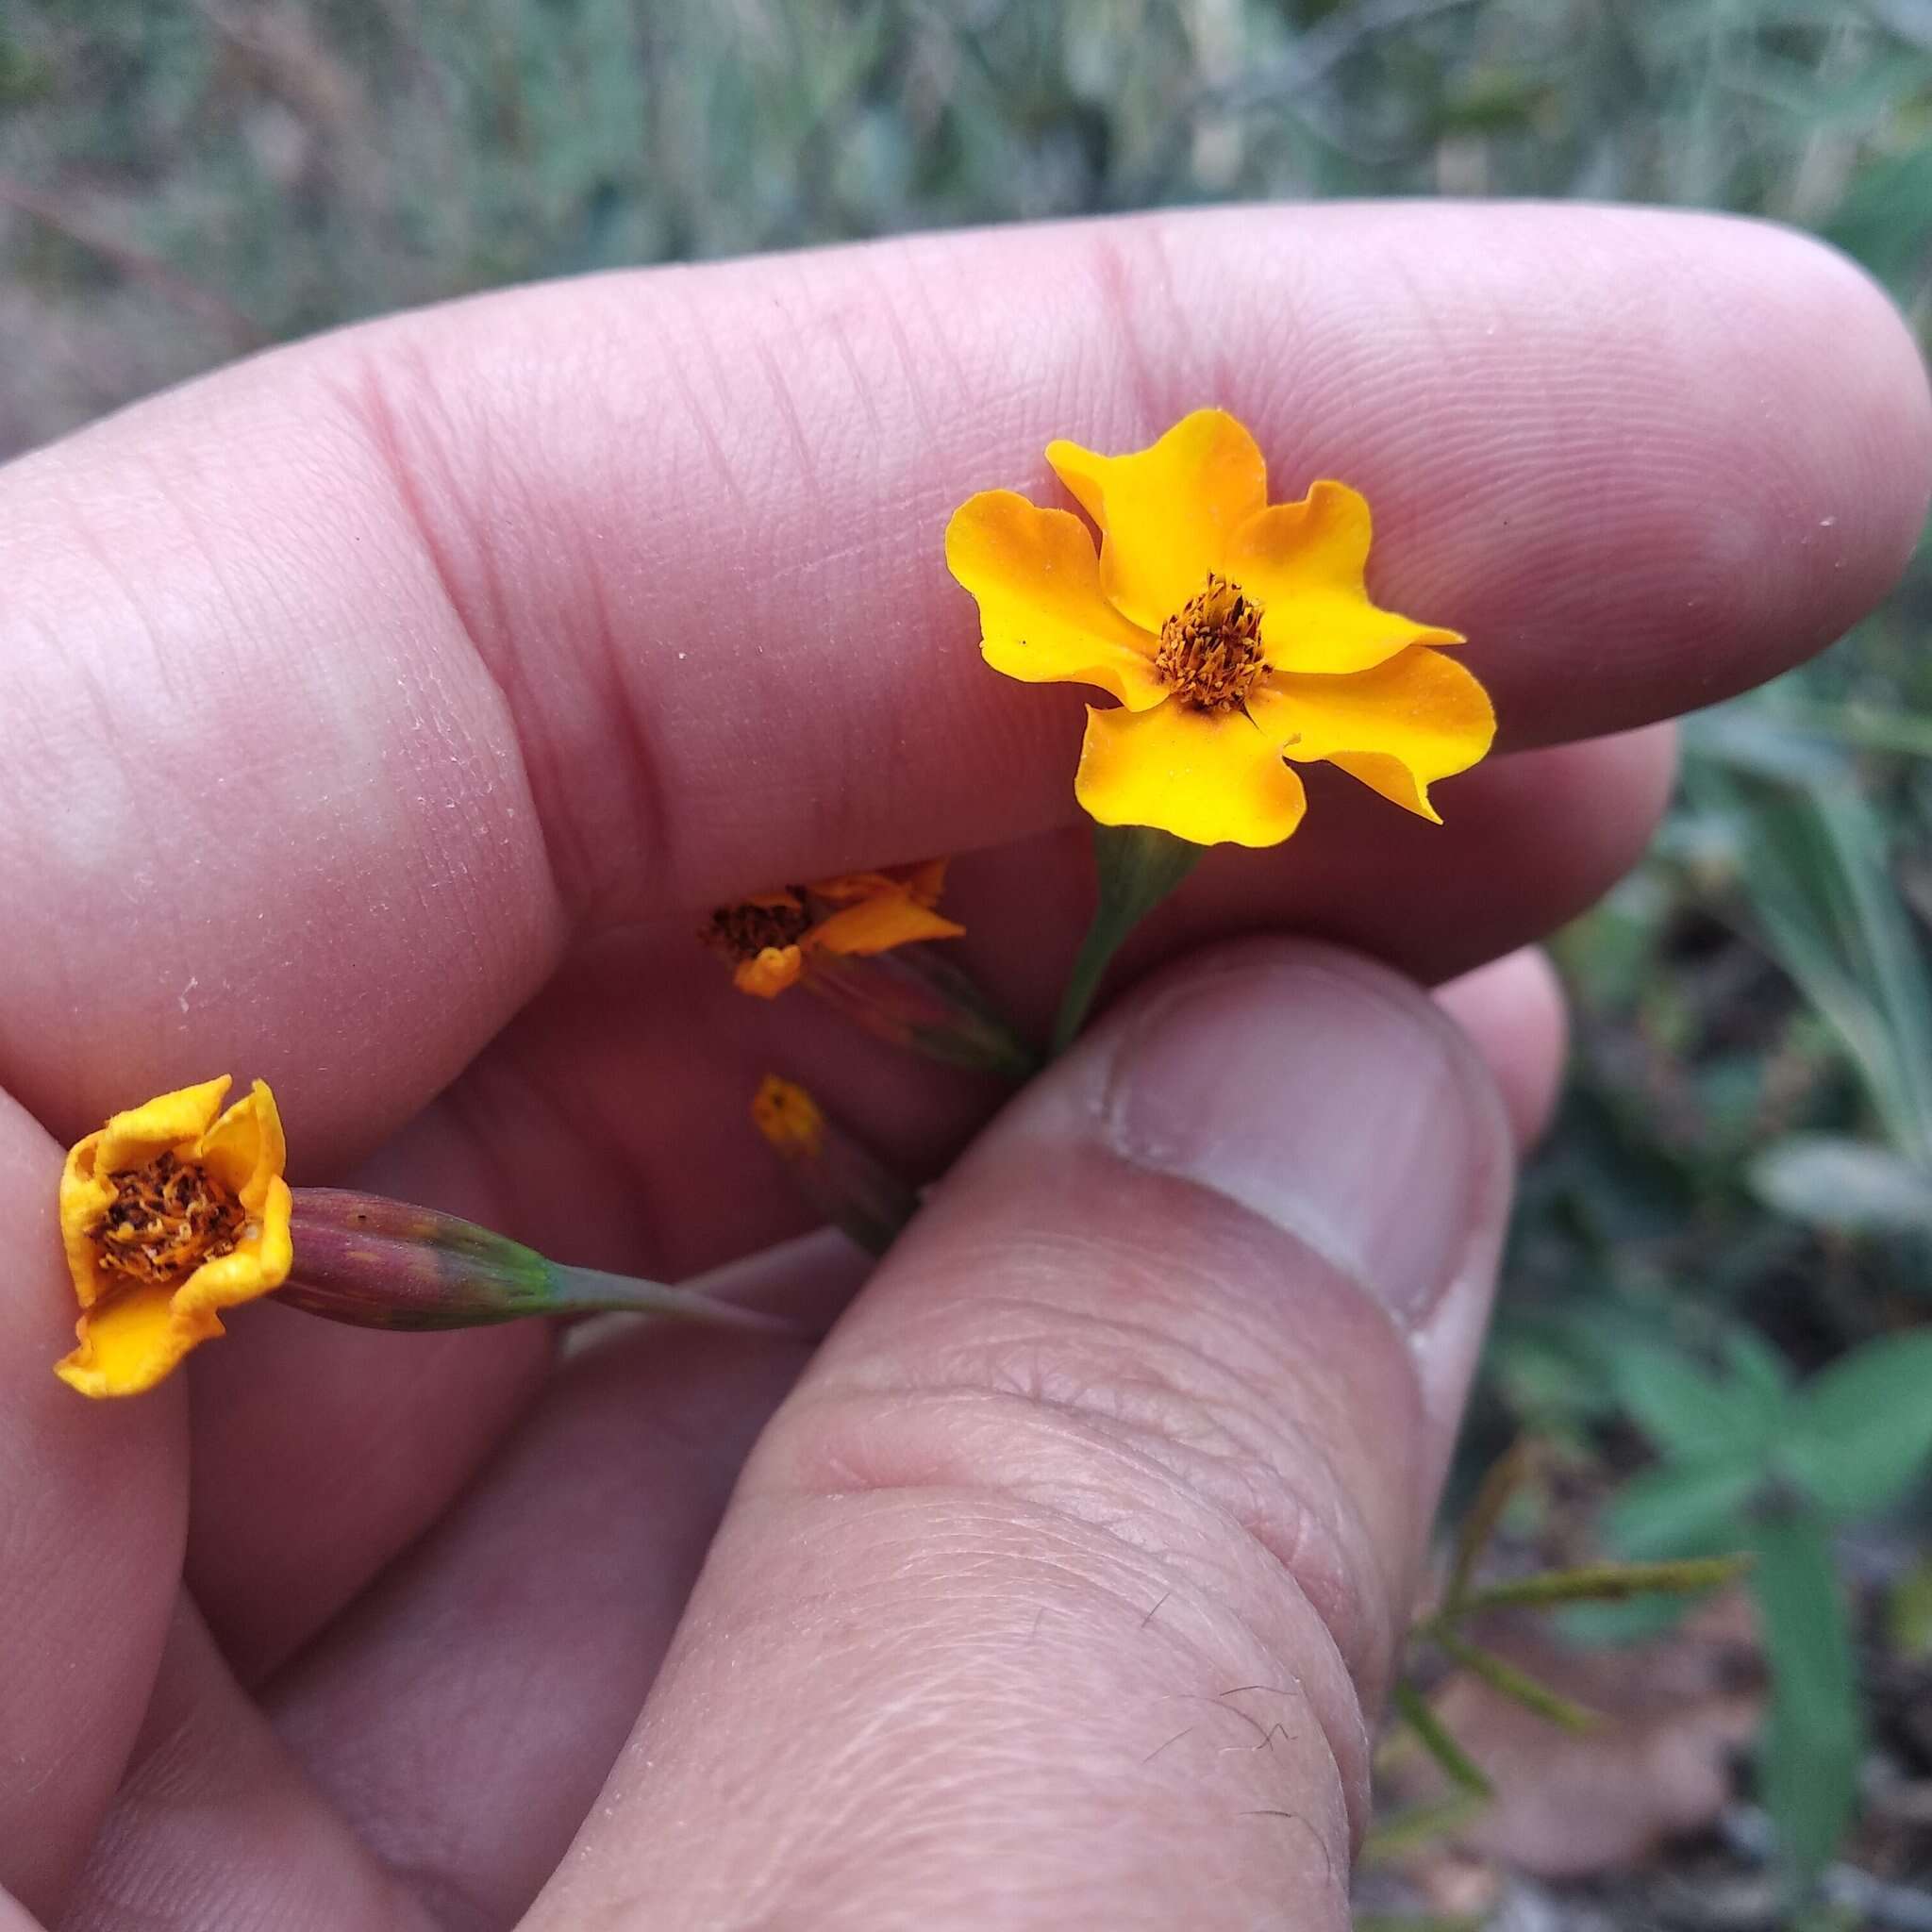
x=1716, y=1328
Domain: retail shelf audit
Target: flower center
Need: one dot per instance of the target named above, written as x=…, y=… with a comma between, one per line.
x=744, y=931
x=1210, y=648
x=165, y=1220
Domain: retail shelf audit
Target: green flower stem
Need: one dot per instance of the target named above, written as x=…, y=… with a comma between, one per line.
x=1137, y=867
x=376, y=1263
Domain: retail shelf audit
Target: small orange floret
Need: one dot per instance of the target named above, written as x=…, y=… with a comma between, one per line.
x=169, y=1213
x=770, y=939
x=788, y=1118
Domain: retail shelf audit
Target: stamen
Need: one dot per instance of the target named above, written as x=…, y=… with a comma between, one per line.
x=165, y=1220
x=1211, y=649
x=744, y=931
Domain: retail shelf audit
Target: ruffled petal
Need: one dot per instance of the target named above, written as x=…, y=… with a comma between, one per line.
x=256, y=1265
x=1041, y=615
x=767, y=973
x=1304, y=563
x=1167, y=514
x=878, y=924
x=1213, y=778
x=246, y=1149
x=130, y=1343
x=170, y=1120
x=1397, y=727
x=922, y=882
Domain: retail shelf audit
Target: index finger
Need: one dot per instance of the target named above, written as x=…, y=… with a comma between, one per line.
x=346, y=686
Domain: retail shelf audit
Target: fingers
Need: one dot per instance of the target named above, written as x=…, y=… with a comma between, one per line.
x=516, y=1644
x=92, y=1496
x=1513, y=1011
x=640, y=1155
x=614, y=1132
x=606, y=599
x=1058, y=1590
x=215, y=1825
x=277, y=1542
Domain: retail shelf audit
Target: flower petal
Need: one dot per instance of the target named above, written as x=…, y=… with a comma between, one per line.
x=1167, y=514
x=130, y=1139
x=1304, y=563
x=127, y=1344
x=922, y=882
x=256, y=1265
x=1397, y=727
x=878, y=924
x=246, y=1149
x=1213, y=778
x=170, y=1120
x=1042, y=614
x=768, y=975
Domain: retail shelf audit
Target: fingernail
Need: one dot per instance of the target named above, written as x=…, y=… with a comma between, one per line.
x=1328, y=1098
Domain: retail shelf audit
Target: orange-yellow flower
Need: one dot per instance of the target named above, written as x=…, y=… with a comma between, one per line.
x=1236, y=636
x=170, y=1212
x=788, y=1118
x=770, y=937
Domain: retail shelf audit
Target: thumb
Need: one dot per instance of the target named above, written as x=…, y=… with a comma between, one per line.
x=1062, y=1588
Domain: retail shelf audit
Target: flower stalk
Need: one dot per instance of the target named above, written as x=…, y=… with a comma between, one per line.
x=1138, y=866
x=925, y=1004
x=376, y=1263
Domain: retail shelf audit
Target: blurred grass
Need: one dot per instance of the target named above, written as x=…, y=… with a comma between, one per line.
x=1748, y=1150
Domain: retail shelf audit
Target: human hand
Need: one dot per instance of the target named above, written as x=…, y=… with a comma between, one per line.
x=382, y=717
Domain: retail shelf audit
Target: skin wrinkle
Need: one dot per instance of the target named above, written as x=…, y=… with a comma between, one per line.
x=1290, y=1503
x=1018, y=753
x=1182, y=1421
x=414, y=464
x=1017, y=1716
x=866, y=1451
x=206, y=1757
x=588, y=330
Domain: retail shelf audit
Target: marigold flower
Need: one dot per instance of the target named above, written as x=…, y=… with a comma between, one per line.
x=1236, y=636
x=788, y=1118
x=770, y=936
x=170, y=1212
x=835, y=1173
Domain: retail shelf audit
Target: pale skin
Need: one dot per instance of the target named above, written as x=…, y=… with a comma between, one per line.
x=382, y=716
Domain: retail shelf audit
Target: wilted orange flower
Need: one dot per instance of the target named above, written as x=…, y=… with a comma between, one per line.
x=788, y=1118
x=168, y=1214
x=1236, y=636
x=770, y=938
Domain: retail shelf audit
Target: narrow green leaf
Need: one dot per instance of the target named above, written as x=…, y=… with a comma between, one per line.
x=1682, y=1509
x=1420, y=1922
x=1503, y=1477
x=1691, y=1414
x=1862, y=1430
x=1753, y=1361
x=1833, y=1180
x=1431, y=1733
x=1812, y=1742
x=1517, y=1685
x=1815, y=863
x=1604, y=1583
x=1422, y=1825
